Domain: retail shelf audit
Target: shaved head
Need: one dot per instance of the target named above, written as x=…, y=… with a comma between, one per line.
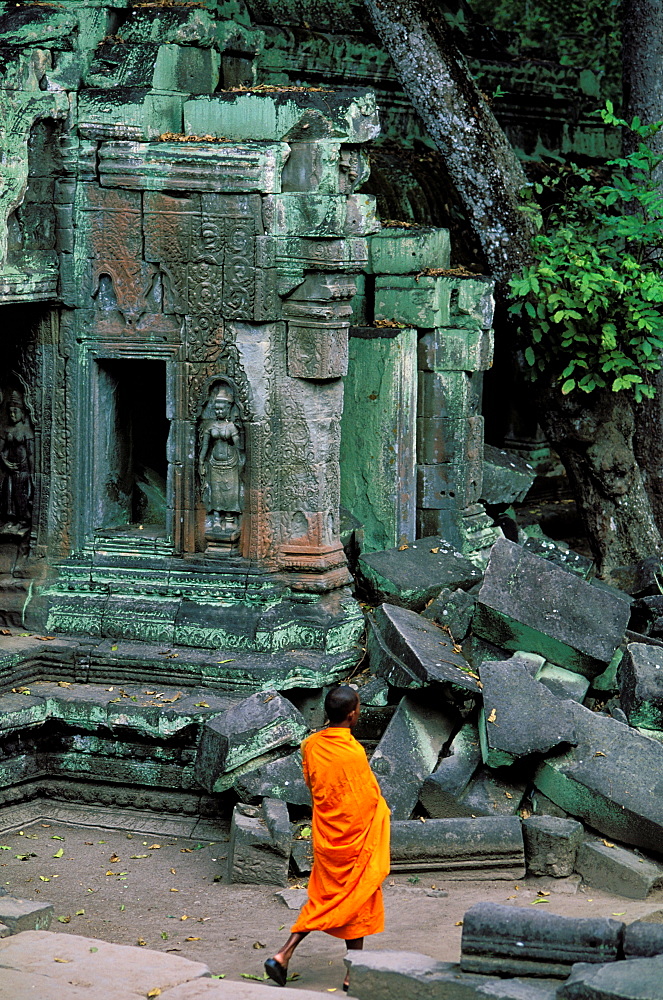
x=340, y=702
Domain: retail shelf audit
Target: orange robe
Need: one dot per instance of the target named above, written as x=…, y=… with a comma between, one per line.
x=350, y=838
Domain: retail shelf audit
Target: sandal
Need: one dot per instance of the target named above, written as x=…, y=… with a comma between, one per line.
x=276, y=972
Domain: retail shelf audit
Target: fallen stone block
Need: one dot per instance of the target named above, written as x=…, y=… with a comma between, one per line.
x=408, y=752
x=294, y=899
x=493, y=794
x=530, y=604
x=410, y=652
x=637, y=979
x=413, y=576
x=384, y=975
x=301, y=856
x=256, y=728
x=453, y=610
x=259, y=848
x=442, y=789
x=520, y=716
x=612, y=780
x=506, y=476
x=614, y=869
x=277, y=779
x=375, y=693
x=551, y=845
x=512, y=941
x=24, y=915
x=641, y=685
x=563, y=683
x=643, y=940
x=488, y=847
x=4, y=931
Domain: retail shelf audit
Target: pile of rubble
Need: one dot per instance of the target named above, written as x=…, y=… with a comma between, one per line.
x=514, y=723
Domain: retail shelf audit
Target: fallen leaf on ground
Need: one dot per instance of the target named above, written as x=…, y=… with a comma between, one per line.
x=607, y=843
x=113, y=859
x=174, y=890
x=93, y=950
x=154, y=993
x=63, y=960
x=54, y=836
x=141, y=943
x=154, y=847
x=79, y=913
x=541, y=899
x=620, y=914
x=258, y=979
x=58, y=854
x=134, y=857
x=186, y=850
x=258, y=944
x=164, y=935
x=65, y=920
x=493, y=715
x=459, y=923
x=173, y=872
x=199, y=939
x=184, y=917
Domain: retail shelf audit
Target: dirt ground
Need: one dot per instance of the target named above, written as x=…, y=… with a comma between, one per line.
x=131, y=889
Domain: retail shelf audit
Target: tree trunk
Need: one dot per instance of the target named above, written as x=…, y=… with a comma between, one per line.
x=593, y=435
x=480, y=160
x=642, y=54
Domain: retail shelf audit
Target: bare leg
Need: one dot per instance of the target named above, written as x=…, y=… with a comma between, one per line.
x=285, y=954
x=354, y=944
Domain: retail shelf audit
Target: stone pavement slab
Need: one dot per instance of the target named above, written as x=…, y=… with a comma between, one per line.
x=70, y=967
x=636, y=979
x=73, y=967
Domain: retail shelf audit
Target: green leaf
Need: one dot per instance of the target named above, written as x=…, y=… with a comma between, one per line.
x=58, y=854
x=568, y=386
x=529, y=356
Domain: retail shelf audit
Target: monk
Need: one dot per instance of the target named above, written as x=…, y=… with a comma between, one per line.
x=350, y=837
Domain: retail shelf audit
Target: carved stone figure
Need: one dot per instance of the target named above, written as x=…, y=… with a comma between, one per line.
x=17, y=464
x=220, y=463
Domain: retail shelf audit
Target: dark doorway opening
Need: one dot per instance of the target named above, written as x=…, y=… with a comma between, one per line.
x=132, y=464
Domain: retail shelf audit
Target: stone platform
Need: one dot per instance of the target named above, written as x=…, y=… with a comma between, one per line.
x=51, y=966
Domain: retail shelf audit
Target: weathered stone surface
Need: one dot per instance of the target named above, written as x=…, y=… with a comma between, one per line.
x=408, y=251
x=617, y=870
x=641, y=685
x=637, y=979
x=493, y=793
x=528, y=603
x=506, y=476
x=24, y=915
x=410, y=652
x=277, y=779
x=408, y=752
x=378, y=428
x=375, y=693
x=511, y=940
x=520, y=716
x=488, y=847
x=384, y=975
x=214, y=989
x=441, y=791
x=254, y=728
x=453, y=610
x=448, y=349
x=551, y=845
x=119, y=972
x=411, y=577
x=294, y=899
x=612, y=780
x=259, y=849
x=643, y=940
x=563, y=683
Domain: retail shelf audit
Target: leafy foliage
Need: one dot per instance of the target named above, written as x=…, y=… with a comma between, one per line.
x=590, y=307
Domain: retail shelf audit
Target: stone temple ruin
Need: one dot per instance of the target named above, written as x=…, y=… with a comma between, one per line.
x=229, y=380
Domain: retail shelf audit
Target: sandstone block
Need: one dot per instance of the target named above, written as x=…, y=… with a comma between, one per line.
x=408, y=752
x=488, y=847
x=24, y=915
x=528, y=603
x=617, y=870
x=512, y=941
x=411, y=577
x=551, y=845
x=259, y=849
x=641, y=685
x=396, y=250
x=442, y=789
x=637, y=979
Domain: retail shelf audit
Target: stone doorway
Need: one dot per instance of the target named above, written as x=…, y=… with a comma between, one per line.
x=131, y=442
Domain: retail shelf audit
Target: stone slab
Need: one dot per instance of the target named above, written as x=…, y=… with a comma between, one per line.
x=413, y=576
x=259, y=848
x=529, y=603
x=260, y=724
x=643, y=940
x=25, y=915
x=386, y=975
x=408, y=752
x=397, y=250
x=520, y=716
x=123, y=972
x=551, y=845
x=441, y=791
x=213, y=989
x=637, y=979
x=410, y=652
x=507, y=477
x=279, y=779
x=514, y=940
x=641, y=685
x=453, y=610
x=612, y=780
x=487, y=847
x=294, y=899
x=563, y=683
x=614, y=869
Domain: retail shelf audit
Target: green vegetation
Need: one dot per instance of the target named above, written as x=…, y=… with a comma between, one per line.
x=590, y=307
